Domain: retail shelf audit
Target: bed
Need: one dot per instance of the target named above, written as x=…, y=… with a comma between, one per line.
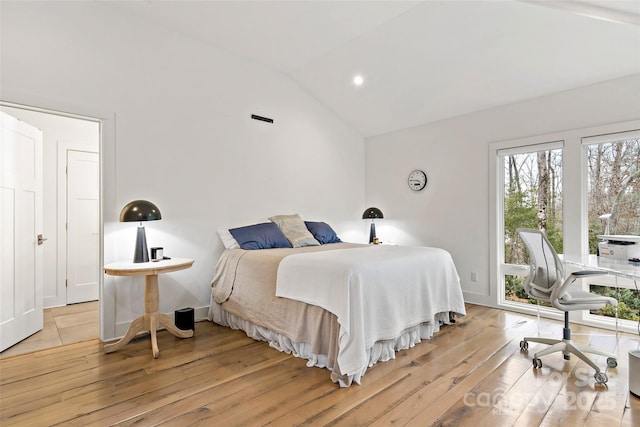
x=341, y=306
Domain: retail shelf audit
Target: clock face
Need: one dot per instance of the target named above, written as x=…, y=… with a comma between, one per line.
x=417, y=180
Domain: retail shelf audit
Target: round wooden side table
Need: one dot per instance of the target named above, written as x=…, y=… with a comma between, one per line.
x=151, y=320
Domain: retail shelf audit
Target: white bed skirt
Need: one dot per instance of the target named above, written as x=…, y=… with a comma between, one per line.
x=381, y=351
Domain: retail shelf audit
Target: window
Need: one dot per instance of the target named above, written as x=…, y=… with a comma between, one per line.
x=613, y=185
x=565, y=187
x=613, y=207
x=531, y=198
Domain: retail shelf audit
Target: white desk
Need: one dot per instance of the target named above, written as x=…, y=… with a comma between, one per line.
x=616, y=267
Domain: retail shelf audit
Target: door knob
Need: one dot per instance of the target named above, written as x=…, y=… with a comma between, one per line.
x=41, y=239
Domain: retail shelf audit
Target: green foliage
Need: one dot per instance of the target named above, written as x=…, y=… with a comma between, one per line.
x=624, y=312
x=519, y=212
x=595, y=228
x=554, y=234
x=628, y=302
x=514, y=289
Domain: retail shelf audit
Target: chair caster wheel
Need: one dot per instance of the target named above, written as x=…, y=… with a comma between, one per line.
x=601, y=378
x=612, y=362
x=537, y=363
x=524, y=345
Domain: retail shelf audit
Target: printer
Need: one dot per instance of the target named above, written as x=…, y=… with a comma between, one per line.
x=619, y=246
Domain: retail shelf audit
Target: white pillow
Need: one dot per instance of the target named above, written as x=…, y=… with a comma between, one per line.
x=227, y=239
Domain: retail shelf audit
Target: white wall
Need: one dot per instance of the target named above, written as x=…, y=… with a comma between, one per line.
x=453, y=211
x=176, y=131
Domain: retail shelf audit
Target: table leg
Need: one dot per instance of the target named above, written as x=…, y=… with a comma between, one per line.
x=153, y=327
x=138, y=325
x=151, y=294
x=166, y=321
x=151, y=305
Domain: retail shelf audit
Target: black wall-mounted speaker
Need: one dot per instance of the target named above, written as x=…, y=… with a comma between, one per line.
x=264, y=119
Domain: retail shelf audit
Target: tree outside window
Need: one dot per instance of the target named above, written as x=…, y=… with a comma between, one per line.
x=532, y=199
x=613, y=171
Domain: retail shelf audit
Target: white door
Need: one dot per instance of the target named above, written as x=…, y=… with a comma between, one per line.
x=83, y=226
x=21, y=219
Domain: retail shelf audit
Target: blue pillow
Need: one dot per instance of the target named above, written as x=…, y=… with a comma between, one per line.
x=322, y=232
x=260, y=236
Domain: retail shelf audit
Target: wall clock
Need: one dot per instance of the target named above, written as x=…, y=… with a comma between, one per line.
x=417, y=180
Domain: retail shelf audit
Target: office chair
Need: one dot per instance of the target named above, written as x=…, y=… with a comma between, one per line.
x=545, y=282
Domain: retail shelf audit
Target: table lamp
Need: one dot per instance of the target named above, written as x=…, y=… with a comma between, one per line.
x=138, y=211
x=372, y=213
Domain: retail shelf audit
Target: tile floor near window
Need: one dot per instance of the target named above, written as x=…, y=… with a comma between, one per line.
x=62, y=325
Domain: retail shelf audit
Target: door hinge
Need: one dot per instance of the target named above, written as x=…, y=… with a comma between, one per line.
x=66, y=283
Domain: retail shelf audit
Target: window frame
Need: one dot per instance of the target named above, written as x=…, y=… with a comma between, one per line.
x=575, y=234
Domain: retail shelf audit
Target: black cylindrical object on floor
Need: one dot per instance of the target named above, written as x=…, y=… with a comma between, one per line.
x=185, y=319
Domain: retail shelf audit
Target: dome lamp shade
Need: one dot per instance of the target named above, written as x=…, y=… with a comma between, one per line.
x=140, y=210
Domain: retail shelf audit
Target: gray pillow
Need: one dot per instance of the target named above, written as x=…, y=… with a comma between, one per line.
x=294, y=229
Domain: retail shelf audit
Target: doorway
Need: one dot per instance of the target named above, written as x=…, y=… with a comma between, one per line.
x=71, y=201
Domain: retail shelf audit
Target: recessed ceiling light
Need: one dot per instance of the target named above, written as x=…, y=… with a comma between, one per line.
x=358, y=80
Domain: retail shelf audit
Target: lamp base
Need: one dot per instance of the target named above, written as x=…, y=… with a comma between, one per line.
x=142, y=253
x=372, y=232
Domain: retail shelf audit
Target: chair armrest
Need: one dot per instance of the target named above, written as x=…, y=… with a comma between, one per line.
x=557, y=292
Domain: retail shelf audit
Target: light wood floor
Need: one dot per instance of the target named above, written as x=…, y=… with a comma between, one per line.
x=61, y=325
x=470, y=374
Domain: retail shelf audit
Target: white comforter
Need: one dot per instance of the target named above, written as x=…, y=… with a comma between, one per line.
x=376, y=292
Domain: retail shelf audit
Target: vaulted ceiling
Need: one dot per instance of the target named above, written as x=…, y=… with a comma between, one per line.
x=421, y=61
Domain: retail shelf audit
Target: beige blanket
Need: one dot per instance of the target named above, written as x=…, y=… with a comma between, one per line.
x=245, y=283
